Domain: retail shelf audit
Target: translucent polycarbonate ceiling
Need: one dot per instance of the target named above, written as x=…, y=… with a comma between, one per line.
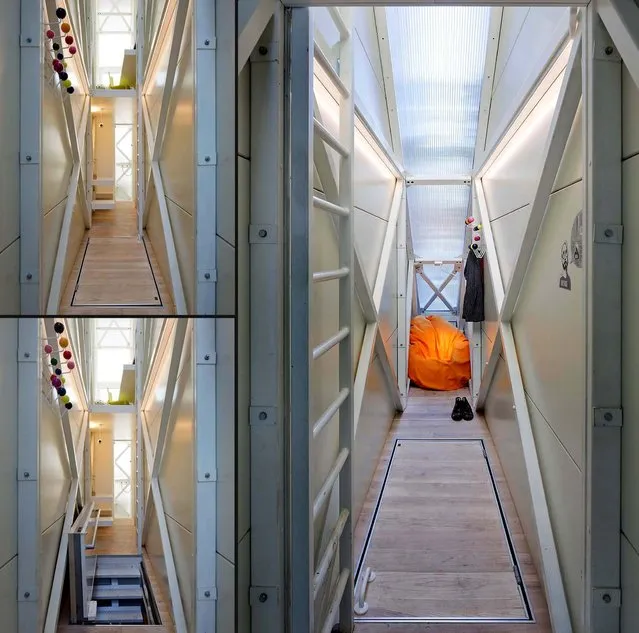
x=438, y=55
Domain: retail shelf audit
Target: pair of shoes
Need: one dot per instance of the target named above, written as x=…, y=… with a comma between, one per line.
x=462, y=410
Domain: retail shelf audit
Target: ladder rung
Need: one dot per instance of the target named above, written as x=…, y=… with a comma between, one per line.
x=329, y=139
x=328, y=275
x=330, y=343
x=329, y=553
x=344, y=31
x=325, y=491
x=327, y=416
x=325, y=205
x=336, y=600
x=325, y=63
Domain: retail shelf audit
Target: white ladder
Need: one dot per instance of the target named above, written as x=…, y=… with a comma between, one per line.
x=313, y=579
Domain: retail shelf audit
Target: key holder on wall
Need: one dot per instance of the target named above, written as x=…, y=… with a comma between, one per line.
x=57, y=365
x=58, y=39
x=477, y=245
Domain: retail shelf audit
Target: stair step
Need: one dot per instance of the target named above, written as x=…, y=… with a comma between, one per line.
x=98, y=205
x=123, y=570
x=117, y=592
x=119, y=615
x=119, y=559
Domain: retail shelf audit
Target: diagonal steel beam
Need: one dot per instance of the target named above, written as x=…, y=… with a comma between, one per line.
x=167, y=409
x=253, y=16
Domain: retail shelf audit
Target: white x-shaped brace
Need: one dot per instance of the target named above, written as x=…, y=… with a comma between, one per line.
x=438, y=290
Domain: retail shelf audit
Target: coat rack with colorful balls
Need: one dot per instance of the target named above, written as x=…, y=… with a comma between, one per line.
x=476, y=240
x=57, y=376
x=58, y=47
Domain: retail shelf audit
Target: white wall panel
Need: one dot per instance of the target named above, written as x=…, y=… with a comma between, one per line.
x=9, y=278
x=508, y=232
x=8, y=451
x=571, y=167
x=375, y=420
x=243, y=585
x=244, y=112
x=521, y=62
x=500, y=417
x=630, y=106
x=629, y=584
x=225, y=620
x=155, y=233
x=491, y=314
x=49, y=547
x=183, y=546
x=388, y=307
x=369, y=238
x=183, y=227
x=564, y=486
x=9, y=135
x=225, y=278
x=51, y=230
x=550, y=328
x=512, y=21
x=8, y=592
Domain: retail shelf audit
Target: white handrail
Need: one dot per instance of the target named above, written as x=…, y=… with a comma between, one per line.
x=328, y=344
x=335, y=601
x=329, y=139
x=325, y=205
x=326, y=417
x=325, y=490
x=328, y=556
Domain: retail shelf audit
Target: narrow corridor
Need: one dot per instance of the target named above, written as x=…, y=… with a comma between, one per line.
x=449, y=556
x=115, y=269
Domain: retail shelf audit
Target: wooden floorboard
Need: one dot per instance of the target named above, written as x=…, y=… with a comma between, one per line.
x=116, y=268
x=119, y=538
x=427, y=416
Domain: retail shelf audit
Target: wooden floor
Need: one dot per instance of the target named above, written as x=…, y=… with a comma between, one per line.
x=119, y=538
x=115, y=273
x=427, y=416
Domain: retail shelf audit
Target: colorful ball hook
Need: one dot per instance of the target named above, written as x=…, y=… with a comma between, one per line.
x=68, y=405
x=73, y=50
x=62, y=391
x=57, y=382
x=56, y=46
x=63, y=75
x=66, y=83
x=71, y=365
x=58, y=372
x=50, y=34
x=58, y=327
x=48, y=349
x=53, y=377
x=67, y=354
x=63, y=342
x=65, y=27
x=60, y=13
x=70, y=90
x=63, y=379
x=65, y=399
x=69, y=39
x=57, y=66
x=60, y=56
x=54, y=361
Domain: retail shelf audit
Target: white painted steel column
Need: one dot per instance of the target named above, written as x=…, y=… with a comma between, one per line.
x=299, y=171
x=405, y=278
x=603, y=239
x=30, y=154
x=139, y=82
x=266, y=237
x=139, y=438
x=206, y=447
x=28, y=519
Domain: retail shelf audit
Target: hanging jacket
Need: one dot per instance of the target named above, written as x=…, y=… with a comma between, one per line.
x=473, y=310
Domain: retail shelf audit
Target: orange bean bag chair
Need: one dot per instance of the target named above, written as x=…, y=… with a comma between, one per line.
x=439, y=355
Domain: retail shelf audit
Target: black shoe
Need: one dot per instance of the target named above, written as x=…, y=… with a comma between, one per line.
x=458, y=409
x=466, y=410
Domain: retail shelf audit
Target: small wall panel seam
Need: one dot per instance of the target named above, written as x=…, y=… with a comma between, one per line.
x=55, y=206
x=10, y=244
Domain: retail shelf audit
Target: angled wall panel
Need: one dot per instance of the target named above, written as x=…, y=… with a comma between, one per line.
x=8, y=592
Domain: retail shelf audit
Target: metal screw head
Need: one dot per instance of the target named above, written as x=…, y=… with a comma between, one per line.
x=607, y=598
x=207, y=475
x=608, y=417
x=26, y=594
x=206, y=357
x=262, y=415
x=608, y=233
x=207, y=594
x=29, y=276
x=27, y=355
x=207, y=42
x=207, y=159
x=28, y=157
x=207, y=275
x=26, y=475
x=609, y=50
x=262, y=50
x=29, y=40
x=263, y=597
x=262, y=233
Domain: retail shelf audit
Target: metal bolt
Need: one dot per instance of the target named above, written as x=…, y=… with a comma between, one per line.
x=207, y=42
x=207, y=159
x=608, y=233
x=26, y=475
x=608, y=417
x=207, y=594
x=609, y=50
x=207, y=275
x=29, y=276
x=263, y=597
x=28, y=157
x=262, y=50
x=262, y=415
x=27, y=355
x=606, y=598
x=26, y=594
x=207, y=475
x=263, y=233
x=206, y=357
x=29, y=40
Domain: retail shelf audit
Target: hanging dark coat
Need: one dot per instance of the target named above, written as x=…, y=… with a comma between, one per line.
x=473, y=310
